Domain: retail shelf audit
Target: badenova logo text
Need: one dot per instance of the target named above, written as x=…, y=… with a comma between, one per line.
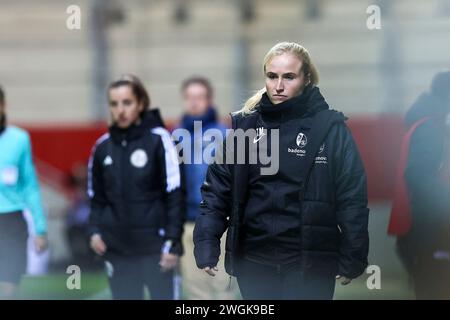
x=321, y=160
x=297, y=151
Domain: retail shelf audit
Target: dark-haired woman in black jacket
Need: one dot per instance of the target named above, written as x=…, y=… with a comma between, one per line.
x=137, y=205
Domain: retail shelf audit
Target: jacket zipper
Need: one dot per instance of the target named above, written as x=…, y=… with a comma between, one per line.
x=124, y=145
x=274, y=228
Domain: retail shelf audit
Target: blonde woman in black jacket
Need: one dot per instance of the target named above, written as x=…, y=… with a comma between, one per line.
x=291, y=233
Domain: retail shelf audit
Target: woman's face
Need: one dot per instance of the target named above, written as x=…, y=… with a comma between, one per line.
x=124, y=105
x=196, y=99
x=284, y=78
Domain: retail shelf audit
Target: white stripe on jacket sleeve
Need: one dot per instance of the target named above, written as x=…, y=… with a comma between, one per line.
x=173, y=178
x=90, y=188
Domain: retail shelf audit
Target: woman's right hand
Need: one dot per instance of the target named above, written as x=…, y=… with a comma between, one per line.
x=98, y=245
x=211, y=271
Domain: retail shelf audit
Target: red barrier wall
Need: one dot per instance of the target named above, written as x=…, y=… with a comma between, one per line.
x=64, y=146
x=378, y=138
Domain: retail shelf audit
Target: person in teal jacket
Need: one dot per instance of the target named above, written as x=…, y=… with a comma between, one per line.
x=19, y=189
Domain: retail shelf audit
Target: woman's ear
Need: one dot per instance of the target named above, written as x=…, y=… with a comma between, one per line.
x=308, y=78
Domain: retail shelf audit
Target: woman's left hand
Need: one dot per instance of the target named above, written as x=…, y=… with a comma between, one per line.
x=40, y=243
x=345, y=280
x=168, y=261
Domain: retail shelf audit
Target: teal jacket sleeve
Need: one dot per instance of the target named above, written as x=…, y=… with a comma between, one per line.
x=30, y=188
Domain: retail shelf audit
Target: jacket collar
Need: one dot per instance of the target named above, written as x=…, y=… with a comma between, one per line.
x=149, y=120
x=306, y=104
x=210, y=116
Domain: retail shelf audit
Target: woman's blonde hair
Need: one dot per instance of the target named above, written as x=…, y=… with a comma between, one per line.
x=301, y=53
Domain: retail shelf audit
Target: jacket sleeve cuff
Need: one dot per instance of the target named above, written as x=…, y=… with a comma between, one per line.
x=173, y=246
x=204, y=265
x=93, y=230
x=353, y=271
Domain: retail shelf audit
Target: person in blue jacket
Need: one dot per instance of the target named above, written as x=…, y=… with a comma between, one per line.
x=19, y=189
x=197, y=94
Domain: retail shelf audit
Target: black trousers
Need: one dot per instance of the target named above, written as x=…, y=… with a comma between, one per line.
x=13, y=247
x=288, y=282
x=128, y=275
x=432, y=280
x=430, y=277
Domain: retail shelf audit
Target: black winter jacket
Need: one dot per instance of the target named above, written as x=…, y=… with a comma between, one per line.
x=135, y=189
x=327, y=231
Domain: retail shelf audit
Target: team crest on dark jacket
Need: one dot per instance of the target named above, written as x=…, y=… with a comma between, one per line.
x=302, y=140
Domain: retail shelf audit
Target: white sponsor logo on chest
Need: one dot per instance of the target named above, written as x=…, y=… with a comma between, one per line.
x=259, y=134
x=301, y=142
x=321, y=159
